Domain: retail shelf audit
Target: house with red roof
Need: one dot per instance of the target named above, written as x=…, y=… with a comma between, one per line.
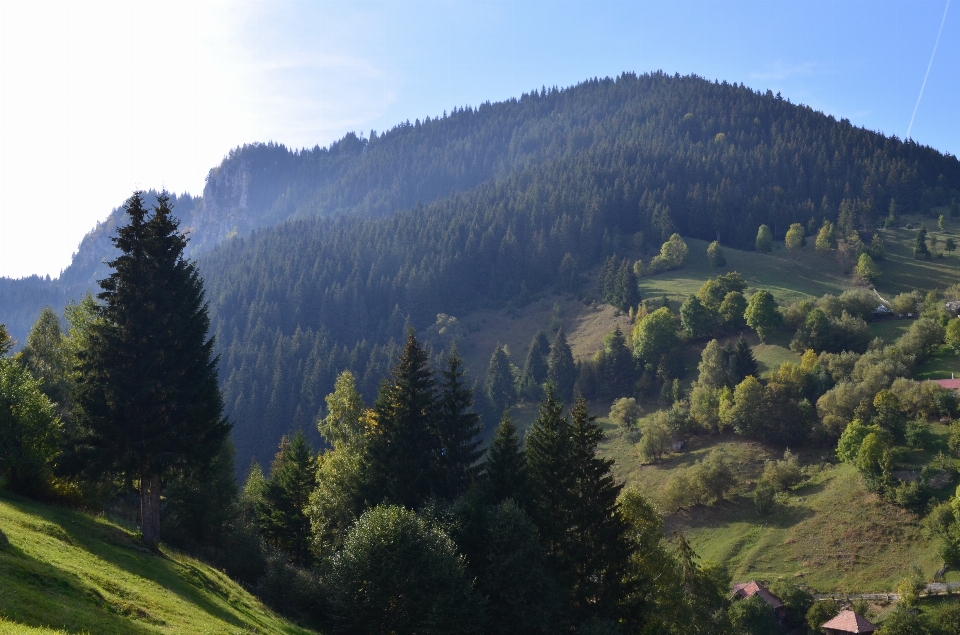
x=849, y=622
x=751, y=588
x=949, y=384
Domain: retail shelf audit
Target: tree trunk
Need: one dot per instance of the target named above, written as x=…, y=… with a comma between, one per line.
x=150, y=508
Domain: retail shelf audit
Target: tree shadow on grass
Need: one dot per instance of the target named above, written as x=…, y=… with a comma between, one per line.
x=38, y=594
x=738, y=510
x=117, y=547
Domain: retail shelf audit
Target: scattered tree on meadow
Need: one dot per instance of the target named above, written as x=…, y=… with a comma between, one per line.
x=762, y=314
x=764, y=242
x=696, y=319
x=825, y=237
x=867, y=270
x=796, y=237
x=921, y=251
x=715, y=255
x=654, y=335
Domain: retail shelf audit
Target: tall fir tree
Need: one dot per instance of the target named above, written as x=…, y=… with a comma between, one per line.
x=742, y=362
x=282, y=512
x=505, y=470
x=536, y=366
x=561, y=369
x=597, y=545
x=549, y=449
x=147, y=396
x=499, y=385
x=617, y=367
x=458, y=428
x=403, y=443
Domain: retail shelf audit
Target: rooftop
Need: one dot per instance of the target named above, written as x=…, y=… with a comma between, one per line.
x=751, y=588
x=850, y=622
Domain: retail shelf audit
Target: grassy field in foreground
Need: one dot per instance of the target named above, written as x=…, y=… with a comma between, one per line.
x=64, y=571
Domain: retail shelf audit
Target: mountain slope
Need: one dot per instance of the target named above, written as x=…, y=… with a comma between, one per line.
x=611, y=166
x=65, y=570
x=316, y=261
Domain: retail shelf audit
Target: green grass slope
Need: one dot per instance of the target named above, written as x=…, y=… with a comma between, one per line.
x=63, y=571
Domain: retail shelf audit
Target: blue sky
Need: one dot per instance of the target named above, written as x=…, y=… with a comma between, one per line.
x=97, y=99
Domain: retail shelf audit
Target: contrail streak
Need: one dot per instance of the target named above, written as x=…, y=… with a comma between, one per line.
x=924, y=85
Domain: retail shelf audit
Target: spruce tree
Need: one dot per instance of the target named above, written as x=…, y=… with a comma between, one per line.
x=742, y=362
x=283, y=517
x=499, y=384
x=505, y=470
x=403, y=445
x=561, y=369
x=549, y=449
x=596, y=544
x=616, y=367
x=535, y=368
x=147, y=395
x=458, y=429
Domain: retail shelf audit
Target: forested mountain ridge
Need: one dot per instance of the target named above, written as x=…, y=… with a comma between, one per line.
x=502, y=202
x=621, y=162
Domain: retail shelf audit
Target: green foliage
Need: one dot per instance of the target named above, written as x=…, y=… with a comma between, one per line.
x=783, y=474
x=850, y=441
x=618, y=283
x=696, y=319
x=826, y=240
x=707, y=482
x=458, y=431
x=821, y=613
x=764, y=497
x=625, y=412
x=671, y=256
x=952, y=335
x=616, y=368
x=874, y=462
x=762, y=314
x=505, y=469
x=921, y=251
x=30, y=431
x=6, y=342
x=657, y=437
x=283, y=512
x=401, y=450
x=499, y=383
x=400, y=573
x=753, y=616
x=655, y=335
x=148, y=396
x=715, y=255
x=201, y=506
x=796, y=237
x=867, y=270
x=821, y=332
x=47, y=357
x=344, y=424
x=536, y=366
x=715, y=290
x=764, y=241
x=561, y=369
x=731, y=310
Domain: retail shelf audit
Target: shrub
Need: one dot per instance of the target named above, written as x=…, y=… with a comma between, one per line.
x=783, y=474
x=625, y=412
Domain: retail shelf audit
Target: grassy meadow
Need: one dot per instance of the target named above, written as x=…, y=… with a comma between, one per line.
x=67, y=572
x=828, y=533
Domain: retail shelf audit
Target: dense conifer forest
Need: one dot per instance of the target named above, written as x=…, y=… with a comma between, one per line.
x=325, y=256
